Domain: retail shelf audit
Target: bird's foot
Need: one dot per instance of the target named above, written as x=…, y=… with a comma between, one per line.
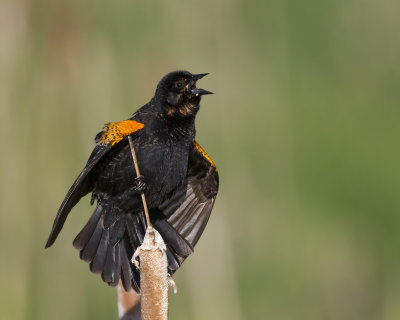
x=140, y=185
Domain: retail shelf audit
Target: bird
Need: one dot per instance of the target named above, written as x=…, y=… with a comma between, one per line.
x=178, y=178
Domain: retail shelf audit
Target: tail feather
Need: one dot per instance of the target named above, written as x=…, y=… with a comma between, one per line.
x=118, y=230
x=89, y=251
x=108, y=270
x=97, y=265
x=134, y=272
x=173, y=260
x=108, y=244
x=84, y=236
x=116, y=269
x=136, y=229
x=126, y=272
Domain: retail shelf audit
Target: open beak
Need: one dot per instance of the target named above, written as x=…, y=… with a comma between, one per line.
x=199, y=92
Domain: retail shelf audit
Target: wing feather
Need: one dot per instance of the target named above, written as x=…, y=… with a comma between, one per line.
x=188, y=209
x=112, y=133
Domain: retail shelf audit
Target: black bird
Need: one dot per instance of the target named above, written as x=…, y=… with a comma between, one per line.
x=179, y=179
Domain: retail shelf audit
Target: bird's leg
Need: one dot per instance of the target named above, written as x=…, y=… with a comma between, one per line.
x=140, y=185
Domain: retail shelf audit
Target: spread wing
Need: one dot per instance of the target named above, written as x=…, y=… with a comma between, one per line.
x=189, y=208
x=112, y=133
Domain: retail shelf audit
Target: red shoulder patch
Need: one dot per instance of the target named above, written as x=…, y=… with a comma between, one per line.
x=205, y=155
x=114, y=132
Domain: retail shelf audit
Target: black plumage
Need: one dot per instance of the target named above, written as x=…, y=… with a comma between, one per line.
x=179, y=179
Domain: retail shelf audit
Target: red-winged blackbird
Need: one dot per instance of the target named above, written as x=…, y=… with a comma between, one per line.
x=179, y=179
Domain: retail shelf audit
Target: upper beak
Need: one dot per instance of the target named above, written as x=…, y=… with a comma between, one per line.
x=196, y=77
x=199, y=92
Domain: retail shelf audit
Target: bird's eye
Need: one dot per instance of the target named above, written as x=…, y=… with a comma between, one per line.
x=179, y=84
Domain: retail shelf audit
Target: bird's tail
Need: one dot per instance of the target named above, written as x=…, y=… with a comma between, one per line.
x=111, y=236
x=104, y=245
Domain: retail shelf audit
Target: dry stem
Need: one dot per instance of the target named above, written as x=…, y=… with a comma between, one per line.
x=146, y=211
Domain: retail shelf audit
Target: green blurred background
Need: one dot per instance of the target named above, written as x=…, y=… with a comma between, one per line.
x=304, y=128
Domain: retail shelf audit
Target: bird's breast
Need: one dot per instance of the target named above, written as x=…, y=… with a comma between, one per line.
x=163, y=165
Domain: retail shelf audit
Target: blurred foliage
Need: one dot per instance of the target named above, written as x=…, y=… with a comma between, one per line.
x=304, y=128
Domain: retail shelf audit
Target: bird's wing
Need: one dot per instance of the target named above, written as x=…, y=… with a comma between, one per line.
x=112, y=133
x=189, y=208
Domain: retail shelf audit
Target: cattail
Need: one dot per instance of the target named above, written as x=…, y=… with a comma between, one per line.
x=153, y=276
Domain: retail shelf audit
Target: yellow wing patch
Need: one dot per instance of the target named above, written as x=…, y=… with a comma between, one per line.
x=114, y=132
x=205, y=155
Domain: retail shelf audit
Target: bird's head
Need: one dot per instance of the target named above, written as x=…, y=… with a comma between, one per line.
x=177, y=94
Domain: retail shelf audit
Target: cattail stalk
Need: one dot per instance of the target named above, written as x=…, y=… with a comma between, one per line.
x=153, y=276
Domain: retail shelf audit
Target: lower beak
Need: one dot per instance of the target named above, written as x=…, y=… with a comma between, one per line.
x=200, y=92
